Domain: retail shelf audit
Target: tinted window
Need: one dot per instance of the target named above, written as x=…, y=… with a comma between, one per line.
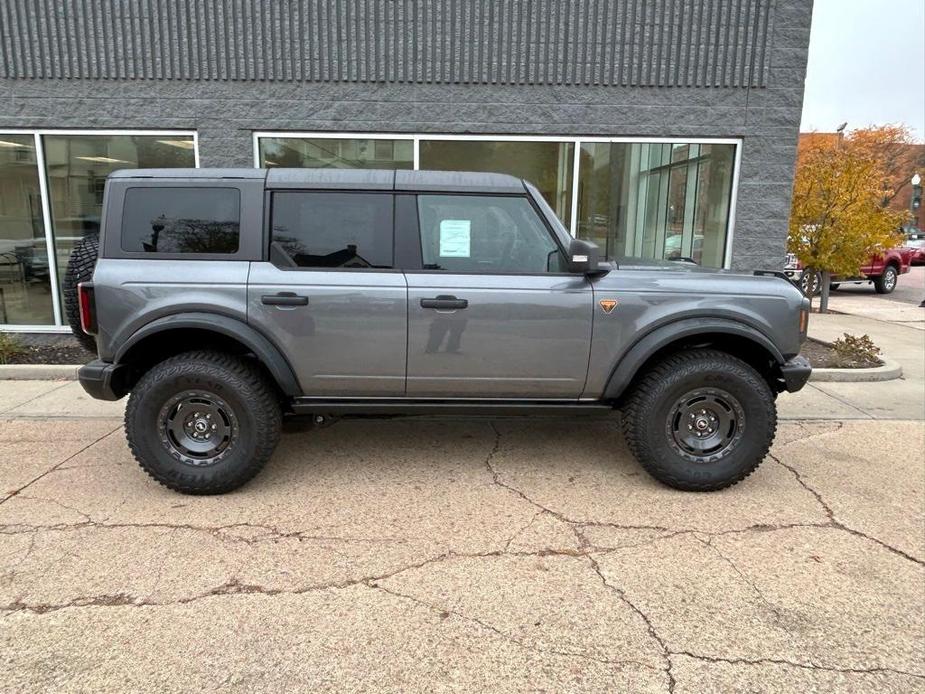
x=475, y=233
x=181, y=220
x=351, y=230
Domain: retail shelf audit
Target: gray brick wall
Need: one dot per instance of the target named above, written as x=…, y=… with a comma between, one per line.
x=758, y=100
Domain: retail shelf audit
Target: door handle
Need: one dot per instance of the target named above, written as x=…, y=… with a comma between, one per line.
x=284, y=299
x=445, y=302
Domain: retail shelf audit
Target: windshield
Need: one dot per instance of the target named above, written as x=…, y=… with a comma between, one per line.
x=915, y=243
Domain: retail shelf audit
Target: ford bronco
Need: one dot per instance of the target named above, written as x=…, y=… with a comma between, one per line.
x=222, y=300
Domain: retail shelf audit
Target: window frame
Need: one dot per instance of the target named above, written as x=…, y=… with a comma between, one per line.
x=572, y=224
x=267, y=235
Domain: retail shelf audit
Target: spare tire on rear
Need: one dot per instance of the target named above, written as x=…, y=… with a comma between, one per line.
x=80, y=269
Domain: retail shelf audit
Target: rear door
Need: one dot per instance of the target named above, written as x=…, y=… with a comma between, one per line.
x=329, y=295
x=492, y=314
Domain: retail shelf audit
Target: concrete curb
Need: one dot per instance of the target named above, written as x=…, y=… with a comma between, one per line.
x=39, y=372
x=885, y=372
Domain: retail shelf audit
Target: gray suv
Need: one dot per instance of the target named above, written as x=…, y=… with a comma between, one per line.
x=222, y=300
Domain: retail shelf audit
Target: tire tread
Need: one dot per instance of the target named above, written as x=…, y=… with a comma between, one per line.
x=263, y=404
x=633, y=415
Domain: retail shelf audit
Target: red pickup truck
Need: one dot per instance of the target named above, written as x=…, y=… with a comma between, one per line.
x=883, y=269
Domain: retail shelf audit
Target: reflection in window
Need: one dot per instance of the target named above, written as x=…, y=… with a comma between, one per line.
x=326, y=230
x=77, y=167
x=656, y=200
x=181, y=220
x=547, y=165
x=25, y=289
x=335, y=153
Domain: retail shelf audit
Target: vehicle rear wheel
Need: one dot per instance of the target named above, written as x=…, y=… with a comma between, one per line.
x=203, y=422
x=700, y=420
x=811, y=283
x=80, y=269
x=886, y=283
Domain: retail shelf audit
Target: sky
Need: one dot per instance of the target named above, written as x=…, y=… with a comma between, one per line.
x=866, y=65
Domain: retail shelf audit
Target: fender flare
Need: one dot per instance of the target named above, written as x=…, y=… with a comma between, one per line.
x=268, y=354
x=632, y=360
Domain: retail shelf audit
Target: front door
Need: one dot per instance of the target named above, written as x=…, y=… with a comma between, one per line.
x=491, y=313
x=329, y=296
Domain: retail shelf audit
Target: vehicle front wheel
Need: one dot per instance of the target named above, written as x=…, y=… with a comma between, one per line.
x=886, y=283
x=833, y=286
x=700, y=420
x=203, y=422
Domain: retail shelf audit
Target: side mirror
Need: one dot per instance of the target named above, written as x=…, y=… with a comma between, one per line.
x=583, y=257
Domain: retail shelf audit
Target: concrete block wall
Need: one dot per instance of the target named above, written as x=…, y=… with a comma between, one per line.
x=759, y=101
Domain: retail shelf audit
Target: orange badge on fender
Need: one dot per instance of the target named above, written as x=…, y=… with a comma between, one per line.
x=608, y=304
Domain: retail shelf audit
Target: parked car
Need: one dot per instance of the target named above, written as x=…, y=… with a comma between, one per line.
x=916, y=244
x=882, y=270
x=222, y=299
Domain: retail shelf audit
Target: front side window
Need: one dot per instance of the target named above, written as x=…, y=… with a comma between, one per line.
x=181, y=220
x=332, y=230
x=481, y=233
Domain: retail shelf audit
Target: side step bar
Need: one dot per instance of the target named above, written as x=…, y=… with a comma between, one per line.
x=303, y=405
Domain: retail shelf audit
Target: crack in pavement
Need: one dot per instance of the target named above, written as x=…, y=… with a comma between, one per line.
x=445, y=612
x=9, y=414
x=220, y=532
x=791, y=663
x=15, y=492
x=750, y=583
x=834, y=522
x=621, y=594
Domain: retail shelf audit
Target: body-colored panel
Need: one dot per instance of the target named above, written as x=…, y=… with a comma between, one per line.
x=349, y=340
x=520, y=336
x=132, y=293
x=648, y=298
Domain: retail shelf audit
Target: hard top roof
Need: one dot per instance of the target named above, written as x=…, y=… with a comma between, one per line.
x=348, y=179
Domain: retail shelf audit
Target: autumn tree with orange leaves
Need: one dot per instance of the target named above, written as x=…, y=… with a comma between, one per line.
x=839, y=216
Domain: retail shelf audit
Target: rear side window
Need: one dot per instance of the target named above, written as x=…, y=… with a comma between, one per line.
x=181, y=220
x=332, y=230
x=482, y=233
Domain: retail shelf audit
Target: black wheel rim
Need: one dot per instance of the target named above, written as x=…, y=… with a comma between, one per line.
x=198, y=428
x=705, y=425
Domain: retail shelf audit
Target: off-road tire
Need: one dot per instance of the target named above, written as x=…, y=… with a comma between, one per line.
x=80, y=269
x=234, y=380
x=646, y=414
x=884, y=284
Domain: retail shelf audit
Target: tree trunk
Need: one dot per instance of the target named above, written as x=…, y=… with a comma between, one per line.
x=826, y=279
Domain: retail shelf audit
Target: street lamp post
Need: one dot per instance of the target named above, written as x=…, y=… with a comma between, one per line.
x=915, y=202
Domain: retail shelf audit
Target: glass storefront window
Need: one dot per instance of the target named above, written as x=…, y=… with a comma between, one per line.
x=336, y=153
x=656, y=200
x=547, y=165
x=77, y=167
x=25, y=286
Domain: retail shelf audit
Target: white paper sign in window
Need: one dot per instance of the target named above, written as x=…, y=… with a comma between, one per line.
x=454, y=238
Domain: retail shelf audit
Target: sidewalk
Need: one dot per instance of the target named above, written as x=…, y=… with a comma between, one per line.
x=900, y=333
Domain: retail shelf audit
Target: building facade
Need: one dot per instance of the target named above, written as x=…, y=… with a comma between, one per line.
x=657, y=128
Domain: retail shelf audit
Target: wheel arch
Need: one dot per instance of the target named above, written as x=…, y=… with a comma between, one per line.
x=173, y=334
x=733, y=337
